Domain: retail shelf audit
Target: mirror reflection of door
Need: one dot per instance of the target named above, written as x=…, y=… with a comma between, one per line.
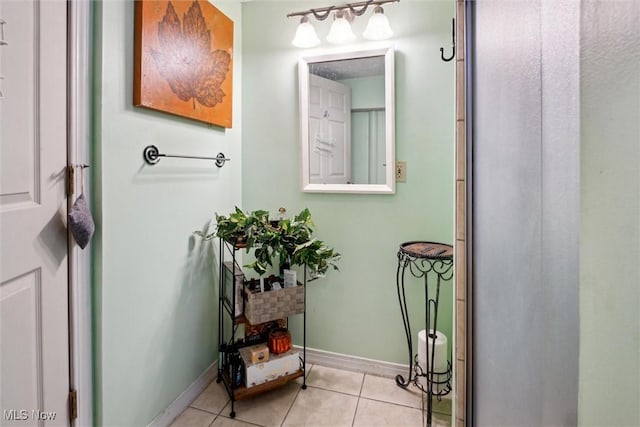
x=347, y=121
x=329, y=131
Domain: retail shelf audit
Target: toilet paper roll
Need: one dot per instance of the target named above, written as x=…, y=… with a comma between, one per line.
x=425, y=344
x=424, y=348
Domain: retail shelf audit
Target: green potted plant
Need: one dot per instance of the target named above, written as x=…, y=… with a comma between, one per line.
x=240, y=228
x=290, y=243
x=287, y=242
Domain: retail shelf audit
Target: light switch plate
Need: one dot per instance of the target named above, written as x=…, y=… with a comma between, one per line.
x=401, y=171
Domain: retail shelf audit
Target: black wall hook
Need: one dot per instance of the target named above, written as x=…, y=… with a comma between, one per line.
x=453, y=43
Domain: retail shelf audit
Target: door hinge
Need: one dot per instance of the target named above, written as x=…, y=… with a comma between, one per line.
x=71, y=181
x=73, y=405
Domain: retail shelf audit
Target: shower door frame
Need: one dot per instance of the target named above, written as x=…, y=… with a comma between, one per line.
x=463, y=231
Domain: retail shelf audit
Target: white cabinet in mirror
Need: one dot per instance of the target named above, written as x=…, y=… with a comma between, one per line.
x=347, y=121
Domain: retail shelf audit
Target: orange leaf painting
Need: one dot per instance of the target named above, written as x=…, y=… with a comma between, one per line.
x=184, y=59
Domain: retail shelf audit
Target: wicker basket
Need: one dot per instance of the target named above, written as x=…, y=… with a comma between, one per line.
x=262, y=307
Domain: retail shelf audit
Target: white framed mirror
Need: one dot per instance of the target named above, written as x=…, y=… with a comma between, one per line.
x=347, y=121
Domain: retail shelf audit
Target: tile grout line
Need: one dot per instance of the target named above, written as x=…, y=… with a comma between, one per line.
x=291, y=406
x=353, y=421
x=200, y=410
x=332, y=391
x=403, y=405
x=214, y=420
x=304, y=381
x=240, y=421
x=355, y=413
x=215, y=416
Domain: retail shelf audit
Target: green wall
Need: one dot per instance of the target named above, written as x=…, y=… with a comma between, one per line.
x=355, y=311
x=155, y=304
x=609, y=385
x=366, y=92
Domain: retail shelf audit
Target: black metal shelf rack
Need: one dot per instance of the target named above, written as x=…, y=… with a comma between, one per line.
x=229, y=343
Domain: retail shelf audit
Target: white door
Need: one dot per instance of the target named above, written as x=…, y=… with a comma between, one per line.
x=34, y=344
x=329, y=131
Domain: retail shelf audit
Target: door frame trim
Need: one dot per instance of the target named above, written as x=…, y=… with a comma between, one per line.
x=79, y=30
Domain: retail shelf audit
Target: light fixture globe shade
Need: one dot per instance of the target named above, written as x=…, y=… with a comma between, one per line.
x=305, y=35
x=378, y=27
x=340, y=31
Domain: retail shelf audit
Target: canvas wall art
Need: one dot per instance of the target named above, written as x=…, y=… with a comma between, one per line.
x=183, y=60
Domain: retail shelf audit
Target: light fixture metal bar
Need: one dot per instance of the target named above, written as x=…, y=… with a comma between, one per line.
x=321, y=13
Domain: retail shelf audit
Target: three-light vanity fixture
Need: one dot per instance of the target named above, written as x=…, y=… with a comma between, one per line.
x=377, y=29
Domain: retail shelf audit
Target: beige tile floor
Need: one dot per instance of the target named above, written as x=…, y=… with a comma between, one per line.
x=333, y=398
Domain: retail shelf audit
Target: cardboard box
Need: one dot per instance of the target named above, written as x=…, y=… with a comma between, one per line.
x=258, y=353
x=278, y=365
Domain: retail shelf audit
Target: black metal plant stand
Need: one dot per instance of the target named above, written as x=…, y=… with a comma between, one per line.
x=229, y=343
x=423, y=259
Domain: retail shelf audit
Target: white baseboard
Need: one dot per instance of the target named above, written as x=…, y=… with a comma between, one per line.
x=355, y=363
x=182, y=402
